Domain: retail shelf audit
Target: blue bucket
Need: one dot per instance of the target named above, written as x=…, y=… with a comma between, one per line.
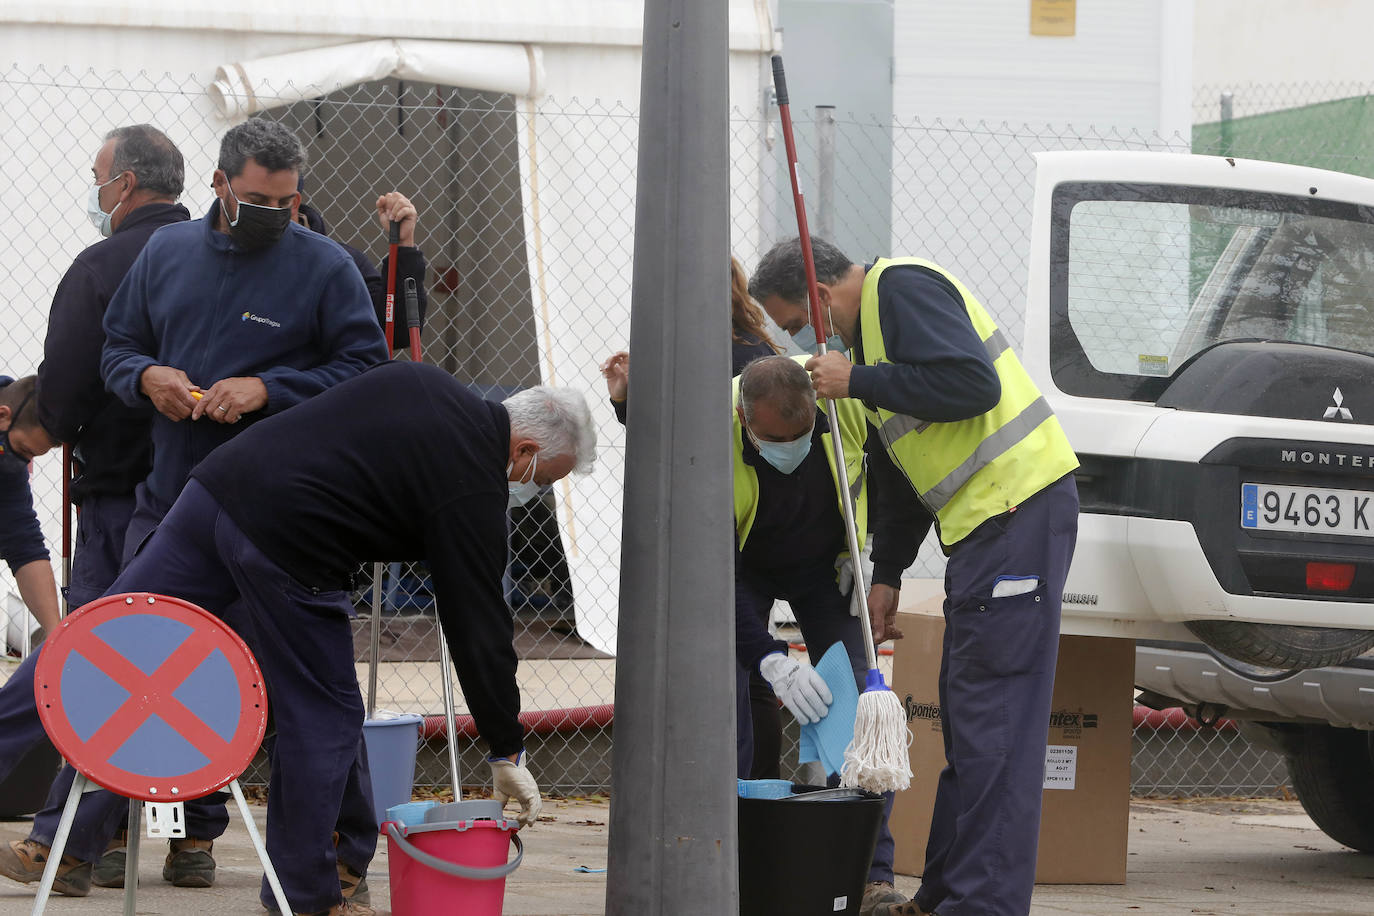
x=391, y=745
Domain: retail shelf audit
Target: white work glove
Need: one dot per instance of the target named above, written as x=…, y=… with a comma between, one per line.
x=513, y=780
x=844, y=575
x=797, y=684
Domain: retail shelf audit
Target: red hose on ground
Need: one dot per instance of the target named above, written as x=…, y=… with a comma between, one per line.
x=537, y=722
x=564, y=721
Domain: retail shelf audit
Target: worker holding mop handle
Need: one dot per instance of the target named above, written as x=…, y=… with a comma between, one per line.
x=965, y=426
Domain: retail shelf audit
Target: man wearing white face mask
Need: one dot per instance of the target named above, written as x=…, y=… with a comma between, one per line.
x=138, y=174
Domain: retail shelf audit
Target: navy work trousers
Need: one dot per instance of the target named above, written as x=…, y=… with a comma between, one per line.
x=823, y=615
x=996, y=684
x=303, y=642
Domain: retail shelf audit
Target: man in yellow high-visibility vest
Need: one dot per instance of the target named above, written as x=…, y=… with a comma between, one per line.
x=965, y=430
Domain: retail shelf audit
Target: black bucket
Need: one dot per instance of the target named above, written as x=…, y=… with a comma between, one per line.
x=806, y=854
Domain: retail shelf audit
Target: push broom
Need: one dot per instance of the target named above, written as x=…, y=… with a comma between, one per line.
x=876, y=759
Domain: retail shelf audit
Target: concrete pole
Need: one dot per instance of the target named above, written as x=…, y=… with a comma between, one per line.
x=825, y=172
x=673, y=835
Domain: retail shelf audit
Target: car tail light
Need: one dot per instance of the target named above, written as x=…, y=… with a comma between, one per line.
x=1330, y=577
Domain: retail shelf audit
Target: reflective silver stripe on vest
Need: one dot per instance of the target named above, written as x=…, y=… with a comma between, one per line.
x=997, y=344
x=991, y=448
x=856, y=486
x=898, y=425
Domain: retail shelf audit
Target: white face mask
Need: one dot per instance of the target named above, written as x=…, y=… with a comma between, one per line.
x=98, y=217
x=522, y=491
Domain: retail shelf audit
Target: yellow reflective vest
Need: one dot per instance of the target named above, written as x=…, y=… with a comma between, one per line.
x=969, y=471
x=853, y=435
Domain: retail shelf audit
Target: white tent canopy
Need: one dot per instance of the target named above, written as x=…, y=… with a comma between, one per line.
x=244, y=87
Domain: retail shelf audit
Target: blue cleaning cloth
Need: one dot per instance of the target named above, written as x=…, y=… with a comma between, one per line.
x=827, y=739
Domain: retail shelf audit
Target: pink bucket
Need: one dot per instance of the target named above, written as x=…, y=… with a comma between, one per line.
x=454, y=863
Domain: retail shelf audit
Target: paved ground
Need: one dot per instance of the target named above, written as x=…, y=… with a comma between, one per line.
x=1197, y=858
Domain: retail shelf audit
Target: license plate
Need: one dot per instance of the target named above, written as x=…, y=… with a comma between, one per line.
x=1308, y=510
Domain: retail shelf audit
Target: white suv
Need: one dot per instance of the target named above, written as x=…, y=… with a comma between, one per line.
x=1203, y=328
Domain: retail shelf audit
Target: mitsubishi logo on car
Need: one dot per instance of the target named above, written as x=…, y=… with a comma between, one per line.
x=1336, y=411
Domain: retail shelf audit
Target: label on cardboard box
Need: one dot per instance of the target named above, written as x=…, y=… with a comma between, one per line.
x=1061, y=766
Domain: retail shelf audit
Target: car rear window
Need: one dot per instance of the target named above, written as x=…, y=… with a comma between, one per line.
x=1145, y=276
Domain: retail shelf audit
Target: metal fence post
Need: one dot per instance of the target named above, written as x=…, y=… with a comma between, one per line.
x=1227, y=129
x=825, y=171
x=673, y=836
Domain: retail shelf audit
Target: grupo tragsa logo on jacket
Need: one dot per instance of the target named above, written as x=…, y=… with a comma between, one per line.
x=249, y=316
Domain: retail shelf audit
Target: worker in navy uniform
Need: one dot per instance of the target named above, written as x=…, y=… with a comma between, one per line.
x=21, y=539
x=138, y=175
x=972, y=441
x=271, y=524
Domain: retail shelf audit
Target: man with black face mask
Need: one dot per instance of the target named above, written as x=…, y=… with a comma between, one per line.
x=235, y=316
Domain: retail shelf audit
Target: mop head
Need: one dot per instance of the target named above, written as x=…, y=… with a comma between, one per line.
x=877, y=758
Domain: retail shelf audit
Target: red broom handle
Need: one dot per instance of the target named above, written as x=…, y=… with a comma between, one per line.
x=812, y=290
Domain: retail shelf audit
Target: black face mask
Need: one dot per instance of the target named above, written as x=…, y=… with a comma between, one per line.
x=7, y=452
x=257, y=226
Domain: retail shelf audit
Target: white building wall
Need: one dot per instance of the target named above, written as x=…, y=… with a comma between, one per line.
x=1312, y=42
x=976, y=60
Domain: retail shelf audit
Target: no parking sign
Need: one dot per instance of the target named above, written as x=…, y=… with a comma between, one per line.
x=151, y=697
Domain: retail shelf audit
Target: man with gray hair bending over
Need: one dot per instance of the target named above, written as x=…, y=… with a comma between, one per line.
x=400, y=463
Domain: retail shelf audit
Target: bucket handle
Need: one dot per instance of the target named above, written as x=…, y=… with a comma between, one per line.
x=472, y=873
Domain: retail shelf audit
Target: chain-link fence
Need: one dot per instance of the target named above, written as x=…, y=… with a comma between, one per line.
x=527, y=222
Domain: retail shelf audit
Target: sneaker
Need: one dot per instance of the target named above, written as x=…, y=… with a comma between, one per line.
x=23, y=861
x=878, y=899
x=189, y=863
x=109, y=868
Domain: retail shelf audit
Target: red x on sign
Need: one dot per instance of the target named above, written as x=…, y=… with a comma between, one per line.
x=151, y=697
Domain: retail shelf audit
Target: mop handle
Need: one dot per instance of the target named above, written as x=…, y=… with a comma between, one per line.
x=393, y=243
x=814, y=296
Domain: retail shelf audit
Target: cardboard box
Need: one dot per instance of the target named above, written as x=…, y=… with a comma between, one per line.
x=1086, y=805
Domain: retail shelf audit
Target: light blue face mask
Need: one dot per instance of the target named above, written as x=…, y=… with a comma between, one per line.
x=786, y=457
x=522, y=491
x=806, y=339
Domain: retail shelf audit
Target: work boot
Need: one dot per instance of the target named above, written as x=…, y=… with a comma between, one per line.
x=109, y=868
x=353, y=884
x=879, y=897
x=346, y=908
x=905, y=908
x=189, y=863
x=23, y=861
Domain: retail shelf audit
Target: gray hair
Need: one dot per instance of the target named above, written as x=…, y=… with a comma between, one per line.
x=782, y=272
x=270, y=144
x=151, y=156
x=556, y=418
x=783, y=382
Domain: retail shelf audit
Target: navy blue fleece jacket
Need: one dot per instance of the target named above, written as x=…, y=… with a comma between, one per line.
x=295, y=315
x=318, y=492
